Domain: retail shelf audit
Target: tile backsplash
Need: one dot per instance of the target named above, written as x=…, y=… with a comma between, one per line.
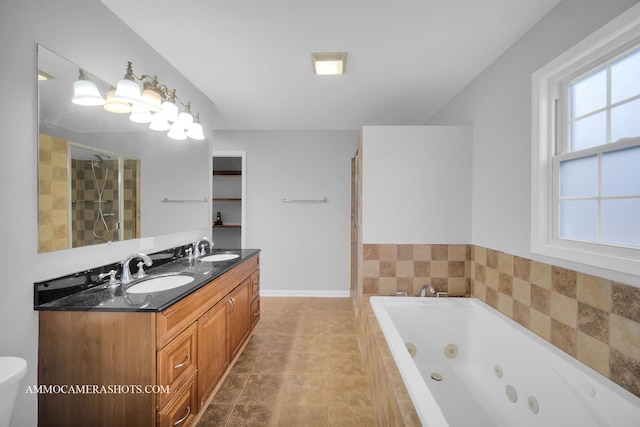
x=592, y=319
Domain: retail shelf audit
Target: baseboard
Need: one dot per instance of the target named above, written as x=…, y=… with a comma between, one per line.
x=298, y=293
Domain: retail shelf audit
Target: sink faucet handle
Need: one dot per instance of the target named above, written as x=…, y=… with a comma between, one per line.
x=140, y=274
x=112, y=277
x=441, y=294
x=198, y=246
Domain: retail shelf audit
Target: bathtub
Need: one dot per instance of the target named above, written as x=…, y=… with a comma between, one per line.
x=466, y=364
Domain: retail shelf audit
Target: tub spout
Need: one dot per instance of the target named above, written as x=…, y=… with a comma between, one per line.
x=425, y=288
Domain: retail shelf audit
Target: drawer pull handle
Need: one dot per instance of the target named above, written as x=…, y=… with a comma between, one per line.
x=181, y=420
x=180, y=365
x=257, y=313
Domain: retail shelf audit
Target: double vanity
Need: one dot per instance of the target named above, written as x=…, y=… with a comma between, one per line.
x=148, y=352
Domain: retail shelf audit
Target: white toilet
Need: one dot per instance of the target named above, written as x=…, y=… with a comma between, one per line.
x=12, y=369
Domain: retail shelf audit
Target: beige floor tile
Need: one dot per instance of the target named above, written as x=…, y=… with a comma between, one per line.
x=346, y=364
x=307, y=390
x=302, y=367
x=306, y=343
x=215, y=415
x=273, y=363
x=254, y=416
x=263, y=390
x=309, y=364
x=348, y=416
x=344, y=344
x=231, y=388
x=349, y=390
x=307, y=416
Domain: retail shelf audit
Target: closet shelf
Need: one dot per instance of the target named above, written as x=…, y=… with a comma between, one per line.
x=227, y=226
x=227, y=199
x=228, y=172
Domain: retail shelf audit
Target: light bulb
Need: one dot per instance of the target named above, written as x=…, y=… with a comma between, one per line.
x=152, y=100
x=86, y=93
x=140, y=114
x=117, y=107
x=159, y=122
x=127, y=91
x=170, y=110
x=196, y=132
x=185, y=119
x=177, y=132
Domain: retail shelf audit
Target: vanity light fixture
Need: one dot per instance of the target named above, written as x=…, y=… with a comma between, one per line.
x=329, y=63
x=85, y=92
x=156, y=104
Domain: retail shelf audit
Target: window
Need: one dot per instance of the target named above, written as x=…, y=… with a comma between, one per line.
x=586, y=146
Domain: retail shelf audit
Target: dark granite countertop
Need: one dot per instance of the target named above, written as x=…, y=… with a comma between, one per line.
x=81, y=293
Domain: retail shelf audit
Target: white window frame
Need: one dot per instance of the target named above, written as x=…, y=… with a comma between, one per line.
x=616, y=37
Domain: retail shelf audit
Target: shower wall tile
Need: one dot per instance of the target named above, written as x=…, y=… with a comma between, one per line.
x=53, y=198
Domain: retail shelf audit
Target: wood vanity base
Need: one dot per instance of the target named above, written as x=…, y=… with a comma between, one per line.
x=106, y=368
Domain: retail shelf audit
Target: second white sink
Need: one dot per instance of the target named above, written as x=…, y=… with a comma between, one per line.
x=160, y=283
x=219, y=257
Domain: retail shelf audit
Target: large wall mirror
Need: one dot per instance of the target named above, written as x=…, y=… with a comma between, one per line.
x=91, y=185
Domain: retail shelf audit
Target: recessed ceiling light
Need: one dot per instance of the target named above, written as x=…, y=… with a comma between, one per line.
x=329, y=63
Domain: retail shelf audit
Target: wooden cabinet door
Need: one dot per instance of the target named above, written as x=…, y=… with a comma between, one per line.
x=213, y=352
x=238, y=309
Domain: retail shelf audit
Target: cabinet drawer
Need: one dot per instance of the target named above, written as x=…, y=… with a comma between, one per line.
x=255, y=285
x=177, y=362
x=255, y=312
x=183, y=407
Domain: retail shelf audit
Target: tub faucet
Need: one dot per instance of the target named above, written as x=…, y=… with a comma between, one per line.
x=126, y=273
x=197, y=252
x=425, y=288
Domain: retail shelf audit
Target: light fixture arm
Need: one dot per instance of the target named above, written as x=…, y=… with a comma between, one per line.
x=163, y=89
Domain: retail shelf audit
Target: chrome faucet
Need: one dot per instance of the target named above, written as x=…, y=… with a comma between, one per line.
x=198, y=251
x=126, y=278
x=423, y=290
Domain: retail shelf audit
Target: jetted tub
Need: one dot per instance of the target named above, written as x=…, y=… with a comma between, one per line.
x=466, y=364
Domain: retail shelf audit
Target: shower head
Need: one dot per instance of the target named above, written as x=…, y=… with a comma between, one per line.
x=100, y=158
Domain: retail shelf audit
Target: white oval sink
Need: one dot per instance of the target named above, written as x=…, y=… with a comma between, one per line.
x=219, y=257
x=161, y=283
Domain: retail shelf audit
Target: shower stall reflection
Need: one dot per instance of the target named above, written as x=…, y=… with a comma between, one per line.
x=87, y=196
x=103, y=199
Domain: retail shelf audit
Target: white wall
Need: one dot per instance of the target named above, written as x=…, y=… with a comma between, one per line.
x=305, y=246
x=86, y=33
x=416, y=184
x=498, y=106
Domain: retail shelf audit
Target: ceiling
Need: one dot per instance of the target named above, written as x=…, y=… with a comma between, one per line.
x=252, y=58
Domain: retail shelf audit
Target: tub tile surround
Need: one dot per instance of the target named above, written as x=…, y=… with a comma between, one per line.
x=391, y=400
x=391, y=268
x=592, y=319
